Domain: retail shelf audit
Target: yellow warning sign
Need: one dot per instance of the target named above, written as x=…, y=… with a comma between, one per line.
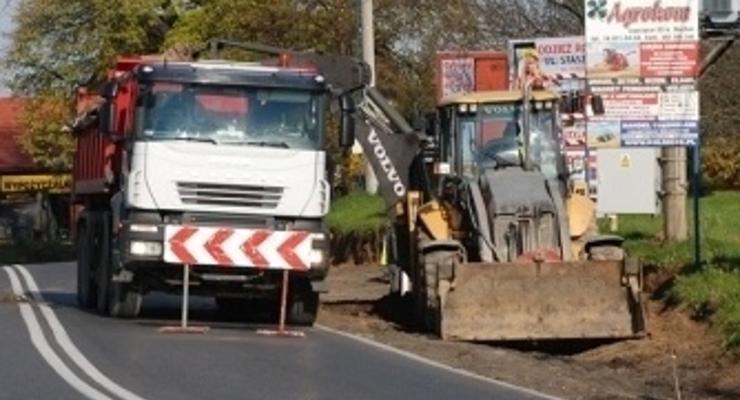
x=52, y=183
x=625, y=161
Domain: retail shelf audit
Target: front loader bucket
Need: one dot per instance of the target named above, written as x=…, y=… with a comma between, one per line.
x=525, y=301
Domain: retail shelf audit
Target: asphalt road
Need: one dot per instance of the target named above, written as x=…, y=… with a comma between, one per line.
x=53, y=350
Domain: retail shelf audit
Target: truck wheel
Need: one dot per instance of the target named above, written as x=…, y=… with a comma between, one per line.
x=86, y=289
x=100, y=229
x=303, y=303
x=124, y=300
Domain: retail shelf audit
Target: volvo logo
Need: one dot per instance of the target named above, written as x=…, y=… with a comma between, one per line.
x=386, y=164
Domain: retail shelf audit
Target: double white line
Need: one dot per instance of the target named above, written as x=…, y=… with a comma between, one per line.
x=112, y=390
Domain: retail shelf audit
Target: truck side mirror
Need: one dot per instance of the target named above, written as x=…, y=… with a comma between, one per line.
x=107, y=113
x=110, y=89
x=107, y=117
x=347, y=125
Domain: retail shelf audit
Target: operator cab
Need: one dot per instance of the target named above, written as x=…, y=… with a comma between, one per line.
x=485, y=130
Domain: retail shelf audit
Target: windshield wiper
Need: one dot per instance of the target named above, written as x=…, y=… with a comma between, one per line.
x=197, y=139
x=281, y=145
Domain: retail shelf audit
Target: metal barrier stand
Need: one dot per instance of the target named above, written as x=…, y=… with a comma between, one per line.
x=184, y=327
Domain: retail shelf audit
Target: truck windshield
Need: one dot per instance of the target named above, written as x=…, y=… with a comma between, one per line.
x=273, y=117
x=493, y=133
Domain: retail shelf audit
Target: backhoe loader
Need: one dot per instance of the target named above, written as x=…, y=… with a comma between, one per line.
x=498, y=246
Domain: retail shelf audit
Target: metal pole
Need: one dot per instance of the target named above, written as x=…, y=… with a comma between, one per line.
x=368, y=55
x=283, y=301
x=185, y=294
x=526, y=107
x=697, y=195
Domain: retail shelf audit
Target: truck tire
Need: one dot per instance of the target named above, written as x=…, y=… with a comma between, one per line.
x=99, y=229
x=86, y=289
x=303, y=303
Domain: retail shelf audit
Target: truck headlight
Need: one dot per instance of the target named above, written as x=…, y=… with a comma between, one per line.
x=316, y=257
x=143, y=228
x=149, y=249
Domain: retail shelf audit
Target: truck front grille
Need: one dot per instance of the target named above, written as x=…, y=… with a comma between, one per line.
x=229, y=195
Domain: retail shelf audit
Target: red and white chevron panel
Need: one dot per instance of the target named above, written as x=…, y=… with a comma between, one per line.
x=258, y=248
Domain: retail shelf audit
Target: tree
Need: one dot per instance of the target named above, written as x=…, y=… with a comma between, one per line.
x=60, y=44
x=46, y=139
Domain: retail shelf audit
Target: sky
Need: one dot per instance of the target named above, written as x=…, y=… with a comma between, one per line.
x=6, y=25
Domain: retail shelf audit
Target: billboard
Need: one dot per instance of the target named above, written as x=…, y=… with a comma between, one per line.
x=643, y=59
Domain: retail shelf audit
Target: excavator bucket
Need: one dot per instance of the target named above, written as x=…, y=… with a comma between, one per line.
x=526, y=301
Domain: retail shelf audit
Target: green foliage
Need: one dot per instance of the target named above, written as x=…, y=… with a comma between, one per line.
x=721, y=162
x=711, y=292
x=720, y=228
x=45, y=138
x=60, y=44
x=357, y=213
x=714, y=293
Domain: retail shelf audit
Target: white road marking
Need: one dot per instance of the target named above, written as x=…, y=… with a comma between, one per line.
x=432, y=363
x=43, y=347
x=62, y=338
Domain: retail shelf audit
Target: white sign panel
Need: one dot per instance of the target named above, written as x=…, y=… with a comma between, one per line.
x=642, y=21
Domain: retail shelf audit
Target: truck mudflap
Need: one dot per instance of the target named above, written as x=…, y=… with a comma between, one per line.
x=526, y=301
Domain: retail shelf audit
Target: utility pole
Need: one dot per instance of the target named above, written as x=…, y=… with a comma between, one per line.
x=368, y=55
x=675, y=227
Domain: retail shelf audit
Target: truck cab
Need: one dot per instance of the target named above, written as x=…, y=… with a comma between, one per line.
x=217, y=165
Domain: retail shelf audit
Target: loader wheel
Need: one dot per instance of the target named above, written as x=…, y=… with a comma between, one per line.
x=86, y=289
x=437, y=284
x=303, y=303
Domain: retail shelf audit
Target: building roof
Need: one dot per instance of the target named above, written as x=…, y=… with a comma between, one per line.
x=496, y=96
x=12, y=158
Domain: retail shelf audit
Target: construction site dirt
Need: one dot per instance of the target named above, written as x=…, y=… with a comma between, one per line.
x=679, y=354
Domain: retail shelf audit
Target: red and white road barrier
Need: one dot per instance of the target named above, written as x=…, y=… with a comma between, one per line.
x=257, y=248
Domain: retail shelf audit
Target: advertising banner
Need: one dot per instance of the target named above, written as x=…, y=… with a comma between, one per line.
x=457, y=75
x=560, y=62
x=59, y=183
x=642, y=59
